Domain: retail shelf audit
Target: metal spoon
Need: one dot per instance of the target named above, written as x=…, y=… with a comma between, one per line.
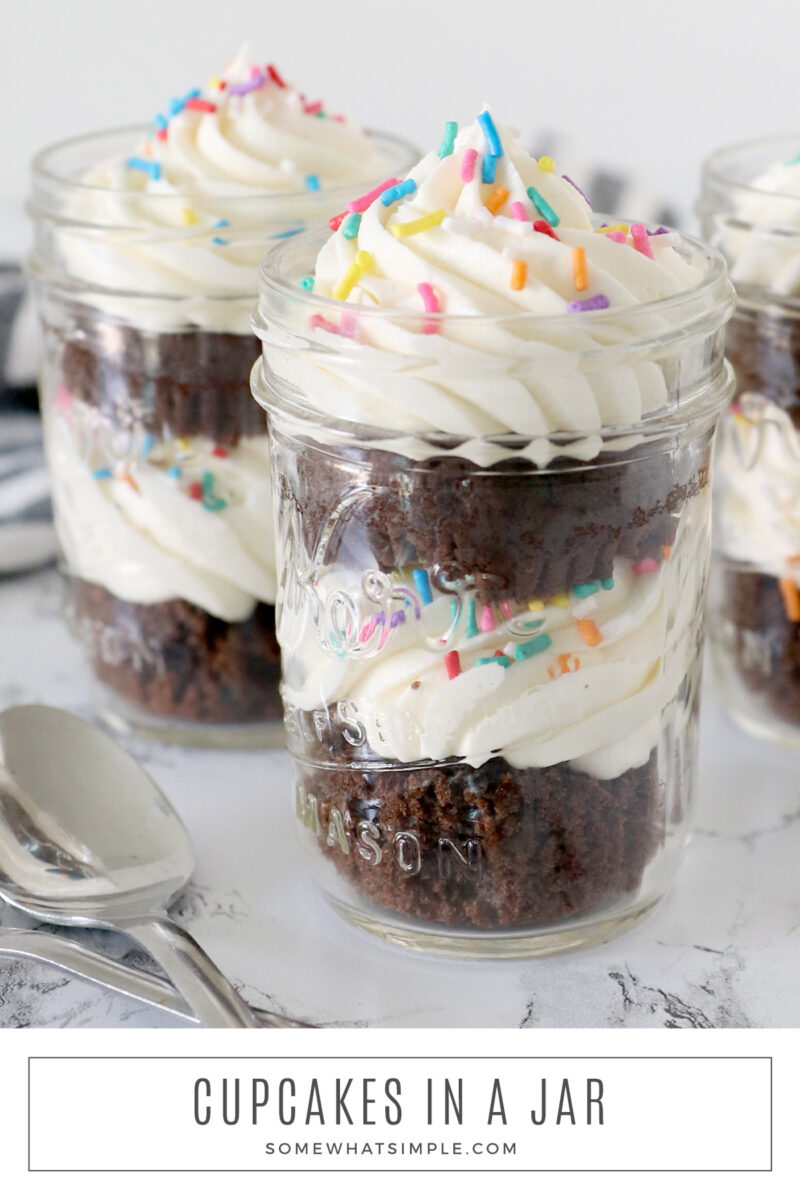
x=86, y=838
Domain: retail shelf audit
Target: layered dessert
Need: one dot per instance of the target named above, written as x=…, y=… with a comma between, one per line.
x=756, y=222
x=146, y=270
x=492, y=548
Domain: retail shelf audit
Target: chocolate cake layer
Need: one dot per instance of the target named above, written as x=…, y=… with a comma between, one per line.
x=519, y=532
x=764, y=350
x=488, y=848
x=766, y=642
x=172, y=659
x=188, y=383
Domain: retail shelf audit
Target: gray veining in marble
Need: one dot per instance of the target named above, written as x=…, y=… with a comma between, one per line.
x=723, y=950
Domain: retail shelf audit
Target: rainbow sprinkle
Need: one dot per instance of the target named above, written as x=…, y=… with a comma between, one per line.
x=546, y=164
x=543, y=226
x=615, y=236
x=472, y=624
x=102, y=473
x=586, y=589
x=488, y=168
x=589, y=632
x=645, y=566
x=352, y=275
x=517, y=210
x=490, y=133
x=423, y=585
x=258, y=80
x=275, y=76
x=791, y=598
x=312, y=183
x=497, y=200
x=429, y=221
x=448, y=140
x=488, y=622
x=519, y=274
x=431, y=302
x=350, y=225
x=468, y=165
x=641, y=241
x=153, y=169
x=406, y=188
x=308, y=283
x=452, y=664
x=580, y=191
x=595, y=302
x=363, y=202
x=501, y=660
x=536, y=646
x=580, y=274
x=542, y=207
x=196, y=104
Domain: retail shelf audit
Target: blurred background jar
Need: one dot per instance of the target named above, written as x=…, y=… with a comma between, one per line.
x=158, y=454
x=750, y=208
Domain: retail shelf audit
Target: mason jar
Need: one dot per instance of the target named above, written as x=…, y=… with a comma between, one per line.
x=158, y=454
x=491, y=644
x=755, y=586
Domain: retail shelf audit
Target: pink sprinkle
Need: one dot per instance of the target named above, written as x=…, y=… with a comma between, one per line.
x=488, y=622
x=506, y=607
x=468, y=165
x=64, y=399
x=367, y=631
x=431, y=302
x=641, y=241
x=517, y=209
x=348, y=326
x=645, y=566
x=319, y=322
x=453, y=664
x=313, y=108
x=363, y=202
x=336, y=221
x=616, y=235
x=339, y=117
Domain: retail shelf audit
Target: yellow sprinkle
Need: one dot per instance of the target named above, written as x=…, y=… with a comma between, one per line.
x=561, y=600
x=546, y=163
x=183, y=443
x=427, y=222
x=497, y=200
x=536, y=605
x=189, y=216
x=613, y=229
x=519, y=273
x=352, y=275
x=214, y=81
x=579, y=273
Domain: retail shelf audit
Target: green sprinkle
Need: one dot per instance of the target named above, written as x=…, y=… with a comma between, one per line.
x=448, y=141
x=606, y=584
x=350, y=225
x=472, y=625
x=543, y=208
x=307, y=283
x=528, y=649
x=453, y=610
x=586, y=589
x=533, y=624
x=502, y=659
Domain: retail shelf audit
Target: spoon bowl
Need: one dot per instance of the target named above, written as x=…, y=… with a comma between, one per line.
x=87, y=838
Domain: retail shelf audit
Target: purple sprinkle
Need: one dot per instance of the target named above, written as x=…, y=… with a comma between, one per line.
x=656, y=232
x=397, y=618
x=250, y=85
x=598, y=301
x=577, y=189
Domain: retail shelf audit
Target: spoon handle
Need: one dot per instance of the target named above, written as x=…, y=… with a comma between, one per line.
x=213, y=1000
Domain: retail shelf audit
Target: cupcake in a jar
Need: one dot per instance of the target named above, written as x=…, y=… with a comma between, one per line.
x=491, y=414
x=147, y=244
x=750, y=206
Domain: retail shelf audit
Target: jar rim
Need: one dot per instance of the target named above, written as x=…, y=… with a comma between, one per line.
x=399, y=150
x=717, y=167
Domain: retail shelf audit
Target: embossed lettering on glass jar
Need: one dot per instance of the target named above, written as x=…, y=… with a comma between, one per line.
x=750, y=206
x=158, y=454
x=491, y=645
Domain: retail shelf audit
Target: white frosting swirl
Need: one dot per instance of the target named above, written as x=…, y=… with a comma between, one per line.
x=600, y=670
x=139, y=533
x=757, y=517
x=474, y=380
x=187, y=213
x=759, y=242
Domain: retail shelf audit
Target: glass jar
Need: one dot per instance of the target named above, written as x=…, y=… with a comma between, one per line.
x=755, y=582
x=158, y=454
x=491, y=645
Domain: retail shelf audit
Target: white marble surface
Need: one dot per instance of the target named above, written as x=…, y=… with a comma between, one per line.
x=722, y=950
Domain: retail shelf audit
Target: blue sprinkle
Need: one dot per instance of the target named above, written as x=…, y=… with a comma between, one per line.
x=586, y=589
x=423, y=585
x=492, y=136
x=147, y=444
x=221, y=223
x=528, y=649
x=472, y=625
x=287, y=233
x=606, y=584
x=312, y=183
x=397, y=192
x=175, y=106
x=308, y=283
x=102, y=473
x=488, y=168
x=147, y=165
x=160, y=121
x=194, y=94
x=174, y=472
x=502, y=659
x=219, y=241
x=543, y=208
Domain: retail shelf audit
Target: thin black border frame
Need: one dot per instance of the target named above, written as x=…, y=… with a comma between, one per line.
x=400, y=1170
